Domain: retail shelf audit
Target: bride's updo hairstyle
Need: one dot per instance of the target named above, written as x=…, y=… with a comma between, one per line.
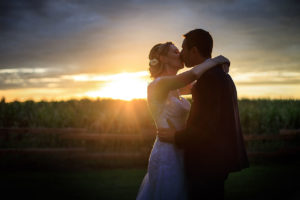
x=156, y=67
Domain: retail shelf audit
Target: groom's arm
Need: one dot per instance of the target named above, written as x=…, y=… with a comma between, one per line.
x=191, y=136
x=181, y=138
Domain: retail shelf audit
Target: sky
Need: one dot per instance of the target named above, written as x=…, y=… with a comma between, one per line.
x=61, y=49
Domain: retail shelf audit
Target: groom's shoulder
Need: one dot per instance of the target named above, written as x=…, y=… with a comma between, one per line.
x=214, y=74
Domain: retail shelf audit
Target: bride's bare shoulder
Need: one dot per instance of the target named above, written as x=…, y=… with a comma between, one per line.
x=153, y=84
x=154, y=89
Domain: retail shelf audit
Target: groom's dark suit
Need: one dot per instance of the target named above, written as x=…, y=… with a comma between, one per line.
x=212, y=140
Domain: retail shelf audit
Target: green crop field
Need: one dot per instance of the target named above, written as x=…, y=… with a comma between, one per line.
x=44, y=174
x=260, y=116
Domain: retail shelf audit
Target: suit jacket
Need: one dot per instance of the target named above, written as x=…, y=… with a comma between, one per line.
x=212, y=140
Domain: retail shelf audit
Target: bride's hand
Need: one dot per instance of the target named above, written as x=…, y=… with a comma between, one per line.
x=223, y=61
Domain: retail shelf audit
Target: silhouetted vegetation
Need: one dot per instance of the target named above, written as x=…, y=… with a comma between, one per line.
x=260, y=116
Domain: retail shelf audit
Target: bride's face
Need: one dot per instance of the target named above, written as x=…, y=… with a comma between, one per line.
x=173, y=58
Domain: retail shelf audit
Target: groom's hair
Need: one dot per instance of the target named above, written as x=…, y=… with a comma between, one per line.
x=201, y=39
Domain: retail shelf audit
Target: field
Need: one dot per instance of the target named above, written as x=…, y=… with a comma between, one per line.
x=98, y=149
x=280, y=181
x=260, y=116
x=131, y=119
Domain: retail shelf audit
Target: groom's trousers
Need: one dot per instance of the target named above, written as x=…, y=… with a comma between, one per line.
x=206, y=187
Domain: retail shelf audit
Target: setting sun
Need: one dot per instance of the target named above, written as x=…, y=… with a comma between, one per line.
x=125, y=86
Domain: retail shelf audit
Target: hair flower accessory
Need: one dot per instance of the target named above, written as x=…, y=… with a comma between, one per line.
x=154, y=61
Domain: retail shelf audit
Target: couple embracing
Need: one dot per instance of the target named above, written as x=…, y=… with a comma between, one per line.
x=197, y=145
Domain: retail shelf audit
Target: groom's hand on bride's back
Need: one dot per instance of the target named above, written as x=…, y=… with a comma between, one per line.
x=166, y=135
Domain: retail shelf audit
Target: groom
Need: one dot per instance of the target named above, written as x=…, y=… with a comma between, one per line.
x=212, y=140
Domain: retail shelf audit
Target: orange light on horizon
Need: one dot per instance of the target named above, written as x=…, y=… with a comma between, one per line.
x=133, y=85
x=125, y=86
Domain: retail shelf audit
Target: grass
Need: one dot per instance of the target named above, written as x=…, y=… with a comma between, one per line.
x=265, y=182
x=271, y=181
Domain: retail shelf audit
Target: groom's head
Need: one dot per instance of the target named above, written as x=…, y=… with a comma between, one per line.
x=196, y=47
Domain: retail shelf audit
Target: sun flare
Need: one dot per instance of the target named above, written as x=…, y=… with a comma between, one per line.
x=125, y=86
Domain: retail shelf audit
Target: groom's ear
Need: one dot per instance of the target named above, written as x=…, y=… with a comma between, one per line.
x=194, y=50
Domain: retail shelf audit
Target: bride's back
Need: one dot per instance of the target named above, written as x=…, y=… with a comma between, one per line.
x=168, y=107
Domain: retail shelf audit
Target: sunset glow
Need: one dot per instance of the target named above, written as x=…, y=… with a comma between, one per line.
x=124, y=86
x=95, y=50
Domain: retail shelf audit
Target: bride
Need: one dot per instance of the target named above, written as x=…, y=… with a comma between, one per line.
x=165, y=179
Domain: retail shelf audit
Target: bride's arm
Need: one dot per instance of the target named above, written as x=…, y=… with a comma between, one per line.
x=169, y=83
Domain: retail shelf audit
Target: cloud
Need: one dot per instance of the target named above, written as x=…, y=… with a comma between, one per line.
x=267, y=78
x=258, y=35
x=69, y=37
x=63, y=32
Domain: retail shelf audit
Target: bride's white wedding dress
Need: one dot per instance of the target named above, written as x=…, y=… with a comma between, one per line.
x=165, y=179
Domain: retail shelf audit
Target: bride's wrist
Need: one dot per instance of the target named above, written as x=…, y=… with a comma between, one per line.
x=214, y=61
